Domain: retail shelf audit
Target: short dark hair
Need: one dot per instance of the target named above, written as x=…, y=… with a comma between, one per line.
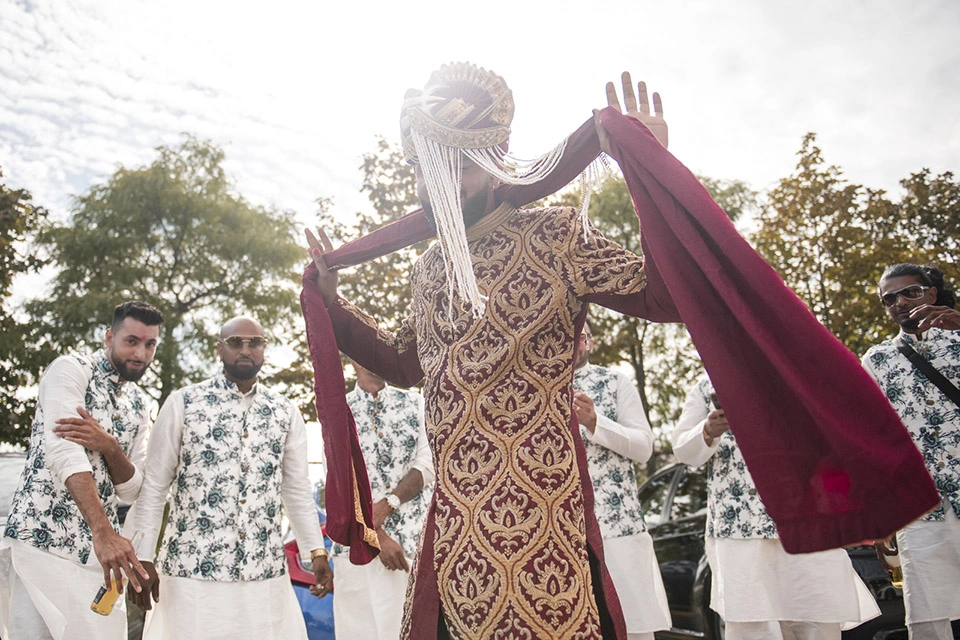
x=928, y=275
x=142, y=311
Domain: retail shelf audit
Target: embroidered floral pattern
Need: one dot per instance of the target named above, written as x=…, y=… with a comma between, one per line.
x=932, y=419
x=224, y=522
x=508, y=535
x=616, y=501
x=388, y=428
x=43, y=513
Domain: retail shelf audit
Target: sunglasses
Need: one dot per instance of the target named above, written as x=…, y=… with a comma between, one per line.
x=238, y=342
x=913, y=292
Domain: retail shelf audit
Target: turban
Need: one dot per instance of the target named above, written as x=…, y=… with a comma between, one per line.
x=463, y=113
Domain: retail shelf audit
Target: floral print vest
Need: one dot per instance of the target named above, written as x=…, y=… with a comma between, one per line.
x=44, y=514
x=616, y=500
x=388, y=428
x=224, y=522
x=734, y=509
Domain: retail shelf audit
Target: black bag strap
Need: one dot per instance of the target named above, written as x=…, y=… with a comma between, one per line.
x=949, y=389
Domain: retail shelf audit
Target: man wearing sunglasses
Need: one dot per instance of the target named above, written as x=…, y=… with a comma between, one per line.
x=229, y=451
x=920, y=302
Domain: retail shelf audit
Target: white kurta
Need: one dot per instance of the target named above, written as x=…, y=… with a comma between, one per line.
x=190, y=608
x=39, y=588
x=754, y=578
x=630, y=558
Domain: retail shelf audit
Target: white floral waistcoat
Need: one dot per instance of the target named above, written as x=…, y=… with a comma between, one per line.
x=734, y=509
x=932, y=419
x=388, y=428
x=224, y=522
x=43, y=513
x=616, y=499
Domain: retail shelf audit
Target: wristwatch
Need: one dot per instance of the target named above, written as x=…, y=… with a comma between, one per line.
x=319, y=552
x=393, y=500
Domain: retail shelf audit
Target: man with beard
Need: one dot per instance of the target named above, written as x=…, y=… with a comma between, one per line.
x=921, y=303
x=230, y=451
x=87, y=446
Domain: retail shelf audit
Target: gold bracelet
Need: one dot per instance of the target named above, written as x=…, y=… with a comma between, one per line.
x=318, y=553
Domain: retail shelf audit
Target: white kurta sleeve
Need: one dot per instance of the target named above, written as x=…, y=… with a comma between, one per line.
x=423, y=460
x=687, y=437
x=160, y=468
x=297, y=494
x=630, y=435
x=63, y=388
x=129, y=490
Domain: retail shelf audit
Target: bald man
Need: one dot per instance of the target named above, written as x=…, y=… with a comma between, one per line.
x=229, y=451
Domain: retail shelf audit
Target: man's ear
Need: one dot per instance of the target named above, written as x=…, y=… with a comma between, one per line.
x=108, y=338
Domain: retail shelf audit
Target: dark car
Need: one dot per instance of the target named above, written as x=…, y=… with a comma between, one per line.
x=675, y=507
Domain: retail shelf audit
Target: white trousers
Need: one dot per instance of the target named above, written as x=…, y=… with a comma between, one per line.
x=368, y=600
x=930, y=557
x=208, y=610
x=46, y=597
x=782, y=631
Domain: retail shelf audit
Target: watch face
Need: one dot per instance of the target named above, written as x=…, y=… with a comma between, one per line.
x=394, y=501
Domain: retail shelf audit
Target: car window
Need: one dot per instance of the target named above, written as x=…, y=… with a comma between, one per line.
x=691, y=495
x=653, y=496
x=11, y=466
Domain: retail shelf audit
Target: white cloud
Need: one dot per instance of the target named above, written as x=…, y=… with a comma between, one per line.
x=297, y=92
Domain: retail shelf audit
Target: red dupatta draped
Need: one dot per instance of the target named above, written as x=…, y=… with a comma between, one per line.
x=831, y=459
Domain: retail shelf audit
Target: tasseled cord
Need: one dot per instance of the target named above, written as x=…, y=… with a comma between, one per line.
x=441, y=166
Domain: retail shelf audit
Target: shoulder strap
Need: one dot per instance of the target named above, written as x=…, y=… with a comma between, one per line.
x=927, y=369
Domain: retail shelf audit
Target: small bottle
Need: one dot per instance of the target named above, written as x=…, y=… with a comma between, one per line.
x=107, y=596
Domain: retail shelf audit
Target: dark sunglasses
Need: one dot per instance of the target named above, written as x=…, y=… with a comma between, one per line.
x=913, y=292
x=237, y=342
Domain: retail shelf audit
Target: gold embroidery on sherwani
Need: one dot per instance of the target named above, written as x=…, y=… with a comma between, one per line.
x=509, y=536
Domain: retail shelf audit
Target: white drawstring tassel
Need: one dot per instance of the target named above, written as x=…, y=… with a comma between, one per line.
x=441, y=168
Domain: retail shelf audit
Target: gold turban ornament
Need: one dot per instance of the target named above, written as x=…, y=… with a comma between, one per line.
x=464, y=111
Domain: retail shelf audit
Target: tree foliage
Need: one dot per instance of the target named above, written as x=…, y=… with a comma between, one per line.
x=381, y=286
x=21, y=356
x=174, y=234
x=830, y=240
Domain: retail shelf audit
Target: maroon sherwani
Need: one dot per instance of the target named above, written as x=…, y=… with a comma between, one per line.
x=505, y=547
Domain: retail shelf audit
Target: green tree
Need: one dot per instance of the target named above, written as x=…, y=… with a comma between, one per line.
x=830, y=240
x=929, y=219
x=177, y=235
x=381, y=286
x=21, y=356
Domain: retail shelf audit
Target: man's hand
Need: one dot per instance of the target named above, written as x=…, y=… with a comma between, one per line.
x=715, y=426
x=381, y=511
x=118, y=557
x=324, y=576
x=586, y=411
x=936, y=316
x=327, y=279
x=655, y=122
x=391, y=553
x=86, y=432
x=150, y=589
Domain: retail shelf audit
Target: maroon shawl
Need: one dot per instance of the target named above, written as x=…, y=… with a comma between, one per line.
x=831, y=459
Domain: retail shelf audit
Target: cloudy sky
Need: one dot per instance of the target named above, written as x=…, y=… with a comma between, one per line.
x=295, y=92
